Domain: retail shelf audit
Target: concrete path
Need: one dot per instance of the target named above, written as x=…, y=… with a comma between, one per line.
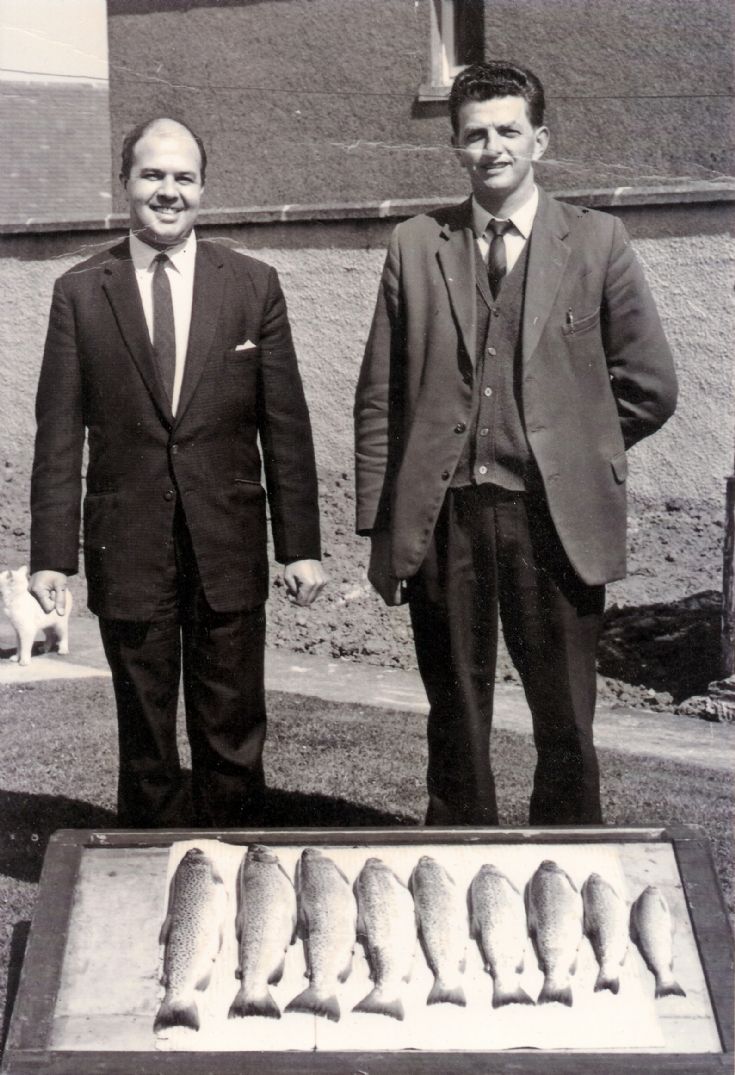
x=682, y=739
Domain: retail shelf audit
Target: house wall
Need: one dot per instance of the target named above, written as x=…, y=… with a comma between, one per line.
x=313, y=101
x=330, y=274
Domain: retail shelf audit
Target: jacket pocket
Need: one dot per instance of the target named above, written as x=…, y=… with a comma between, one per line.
x=575, y=326
x=619, y=466
x=243, y=354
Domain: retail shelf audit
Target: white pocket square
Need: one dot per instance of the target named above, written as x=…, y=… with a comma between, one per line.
x=245, y=346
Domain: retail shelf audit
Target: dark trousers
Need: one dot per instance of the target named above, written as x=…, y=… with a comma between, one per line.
x=222, y=656
x=495, y=551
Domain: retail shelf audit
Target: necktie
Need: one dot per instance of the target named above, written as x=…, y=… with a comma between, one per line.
x=164, y=334
x=496, y=261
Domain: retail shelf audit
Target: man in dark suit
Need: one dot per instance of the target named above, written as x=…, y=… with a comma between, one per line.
x=515, y=354
x=174, y=355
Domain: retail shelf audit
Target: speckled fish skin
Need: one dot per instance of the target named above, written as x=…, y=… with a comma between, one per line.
x=606, y=925
x=554, y=913
x=192, y=933
x=386, y=925
x=327, y=920
x=498, y=924
x=265, y=927
x=652, y=930
x=442, y=928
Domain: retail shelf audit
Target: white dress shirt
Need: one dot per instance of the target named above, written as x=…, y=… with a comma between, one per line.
x=180, y=272
x=517, y=236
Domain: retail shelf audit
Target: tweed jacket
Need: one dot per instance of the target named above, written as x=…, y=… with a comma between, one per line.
x=597, y=376
x=99, y=376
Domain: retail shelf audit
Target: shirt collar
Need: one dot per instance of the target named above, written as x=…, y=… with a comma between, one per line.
x=182, y=255
x=522, y=219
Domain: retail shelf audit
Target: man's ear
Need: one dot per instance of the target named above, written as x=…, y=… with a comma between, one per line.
x=541, y=141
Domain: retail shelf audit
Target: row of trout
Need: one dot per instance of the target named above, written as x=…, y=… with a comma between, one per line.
x=385, y=915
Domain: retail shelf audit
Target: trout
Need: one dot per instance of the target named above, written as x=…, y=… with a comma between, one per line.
x=498, y=924
x=652, y=930
x=326, y=922
x=554, y=912
x=441, y=920
x=606, y=925
x=386, y=925
x=265, y=927
x=192, y=933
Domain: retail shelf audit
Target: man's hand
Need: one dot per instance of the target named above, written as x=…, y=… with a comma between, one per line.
x=305, y=580
x=379, y=573
x=49, y=589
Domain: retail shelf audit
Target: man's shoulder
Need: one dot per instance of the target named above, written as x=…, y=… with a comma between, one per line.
x=432, y=223
x=582, y=219
x=235, y=259
x=90, y=267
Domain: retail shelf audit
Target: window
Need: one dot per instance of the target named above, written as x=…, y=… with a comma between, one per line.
x=456, y=41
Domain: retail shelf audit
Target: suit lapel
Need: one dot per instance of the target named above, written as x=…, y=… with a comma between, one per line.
x=122, y=291
x=457, y=259
x=547, y=259
x=209, y=290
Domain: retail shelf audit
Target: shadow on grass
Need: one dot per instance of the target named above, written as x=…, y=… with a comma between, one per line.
x=28, y=821
x=292, y=809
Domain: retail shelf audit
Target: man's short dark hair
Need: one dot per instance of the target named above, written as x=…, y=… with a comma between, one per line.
x=133, y=137
x=496, y=78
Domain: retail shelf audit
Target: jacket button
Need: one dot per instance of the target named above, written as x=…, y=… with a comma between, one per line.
x=445, y=475
x=169, y=494
x=174, y=449
x=460, y=427
x=491, y=351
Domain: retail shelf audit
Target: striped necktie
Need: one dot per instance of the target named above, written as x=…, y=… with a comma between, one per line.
x=496, y=260
x=164, y=332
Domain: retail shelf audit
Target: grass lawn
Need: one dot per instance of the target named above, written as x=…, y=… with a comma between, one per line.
x=329, y=765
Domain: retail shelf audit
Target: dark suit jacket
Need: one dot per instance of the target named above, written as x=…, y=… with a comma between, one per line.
x=589, y=390
x=99, y=374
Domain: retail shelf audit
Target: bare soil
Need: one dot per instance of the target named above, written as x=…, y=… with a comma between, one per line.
x=661, y=638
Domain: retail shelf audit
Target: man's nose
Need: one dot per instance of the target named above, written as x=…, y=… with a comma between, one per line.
x=167, y=188
x=493, y=143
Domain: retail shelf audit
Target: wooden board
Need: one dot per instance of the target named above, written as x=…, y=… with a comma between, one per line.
x=89, y=989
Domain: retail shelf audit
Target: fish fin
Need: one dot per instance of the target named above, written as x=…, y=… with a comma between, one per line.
x=346, y=970
x=177, y=1013
x=443, y=994
x=558, y=994
x=668, y=988
x=462, y=965
x=501, y=996
x=165, y=929
x=238, y=926
x=520, y=965
x=573, y=968
x=376, y=1003
x=244, y=1005
x=607, y=981
x=204, y=980
x=311, y=1000
x=277, y=973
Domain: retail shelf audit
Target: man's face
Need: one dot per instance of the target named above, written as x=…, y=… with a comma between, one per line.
x=497, y=145
x=165, y=186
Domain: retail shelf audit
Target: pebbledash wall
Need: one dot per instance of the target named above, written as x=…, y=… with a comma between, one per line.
x=325, y=111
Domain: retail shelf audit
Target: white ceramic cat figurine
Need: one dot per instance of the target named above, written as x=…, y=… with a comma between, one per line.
x=28, y=618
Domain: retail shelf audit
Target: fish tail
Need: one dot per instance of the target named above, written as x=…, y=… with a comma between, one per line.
x=378, y=1004
x=551, y=992
x=311, y=1000
x=668, y=987
x=441, y=993
x=503, y=996
x=606, y=980
x=175, y=1011
x=244, y=1005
